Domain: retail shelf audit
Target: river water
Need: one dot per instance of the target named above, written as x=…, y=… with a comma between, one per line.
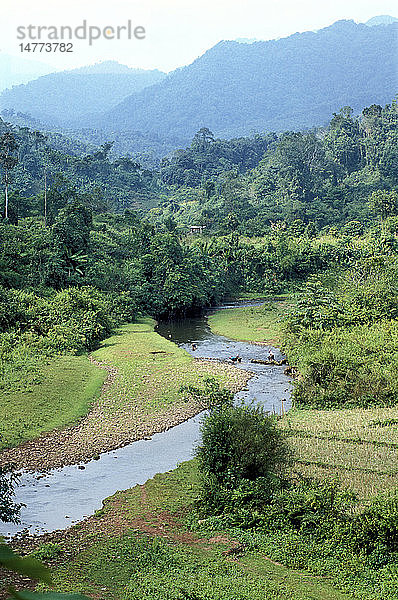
x=67, y=495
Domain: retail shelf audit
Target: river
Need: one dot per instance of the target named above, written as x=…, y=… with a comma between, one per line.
x=65, y=496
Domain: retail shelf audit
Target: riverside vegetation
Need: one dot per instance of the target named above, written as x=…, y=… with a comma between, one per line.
x=314, y=491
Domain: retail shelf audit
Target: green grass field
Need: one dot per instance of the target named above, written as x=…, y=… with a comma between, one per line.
x=152, y=369
x=259, y=324
x=62, y=392
x=137, y=547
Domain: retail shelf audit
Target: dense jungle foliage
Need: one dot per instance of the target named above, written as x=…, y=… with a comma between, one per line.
x=322, y=206
x=43, y=174
x=305, y=180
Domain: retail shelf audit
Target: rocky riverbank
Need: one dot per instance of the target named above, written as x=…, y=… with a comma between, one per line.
x=103, y=429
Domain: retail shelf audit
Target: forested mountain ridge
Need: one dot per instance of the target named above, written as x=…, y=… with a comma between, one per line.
x=66, y=97
x=207, y=158
x=234, y=89
x=316, y=179
x=146, y=148
x=290, y=83
x=381, y=20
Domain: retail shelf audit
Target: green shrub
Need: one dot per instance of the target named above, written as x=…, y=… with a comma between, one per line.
x=242, y=457
x=71, y=321
x=353, y=367
x=375, y=529
x=212, y=395
x=309, y=507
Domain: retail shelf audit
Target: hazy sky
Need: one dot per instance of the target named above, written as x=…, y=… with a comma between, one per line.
x=177, y=31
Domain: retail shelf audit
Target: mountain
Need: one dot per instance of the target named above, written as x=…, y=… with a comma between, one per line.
x=64, y=98
x=381, y=20
x=15, y=70
x=147, y=148
x=290, y=83
x=247, y=40
x=106, y=66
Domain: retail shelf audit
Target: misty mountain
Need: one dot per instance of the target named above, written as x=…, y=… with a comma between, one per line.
x=381, y=20
x=65, y=97
x=290, y=83
x=147, y=148
x=15, y=70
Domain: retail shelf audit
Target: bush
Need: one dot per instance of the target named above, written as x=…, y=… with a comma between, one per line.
x=375, y=529
x=9, y=510
x=342, y=334
x=309, y=507
x=242, y=458
x=212, y=395
x=67, y=322
x=47, y=552
x=347, y=368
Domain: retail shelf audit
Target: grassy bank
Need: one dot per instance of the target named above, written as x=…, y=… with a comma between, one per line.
x=61, y=392
x=259, y=324
x=141, y=396
x=138, y=547
x=151, y=370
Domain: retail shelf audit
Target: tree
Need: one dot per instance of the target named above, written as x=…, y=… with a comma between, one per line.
x=42, y=149
x=58, y=196
x=8, y=160
x=203, y=139
x=73, y=225
x=71, y=234
x=344, y=140
x=384, y=203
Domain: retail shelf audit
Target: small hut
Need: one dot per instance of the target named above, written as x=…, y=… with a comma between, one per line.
x=196, y=229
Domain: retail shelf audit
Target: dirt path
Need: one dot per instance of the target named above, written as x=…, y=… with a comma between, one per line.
x=106, y=428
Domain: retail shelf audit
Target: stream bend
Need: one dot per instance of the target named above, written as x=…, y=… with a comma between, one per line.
x=61, y=497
